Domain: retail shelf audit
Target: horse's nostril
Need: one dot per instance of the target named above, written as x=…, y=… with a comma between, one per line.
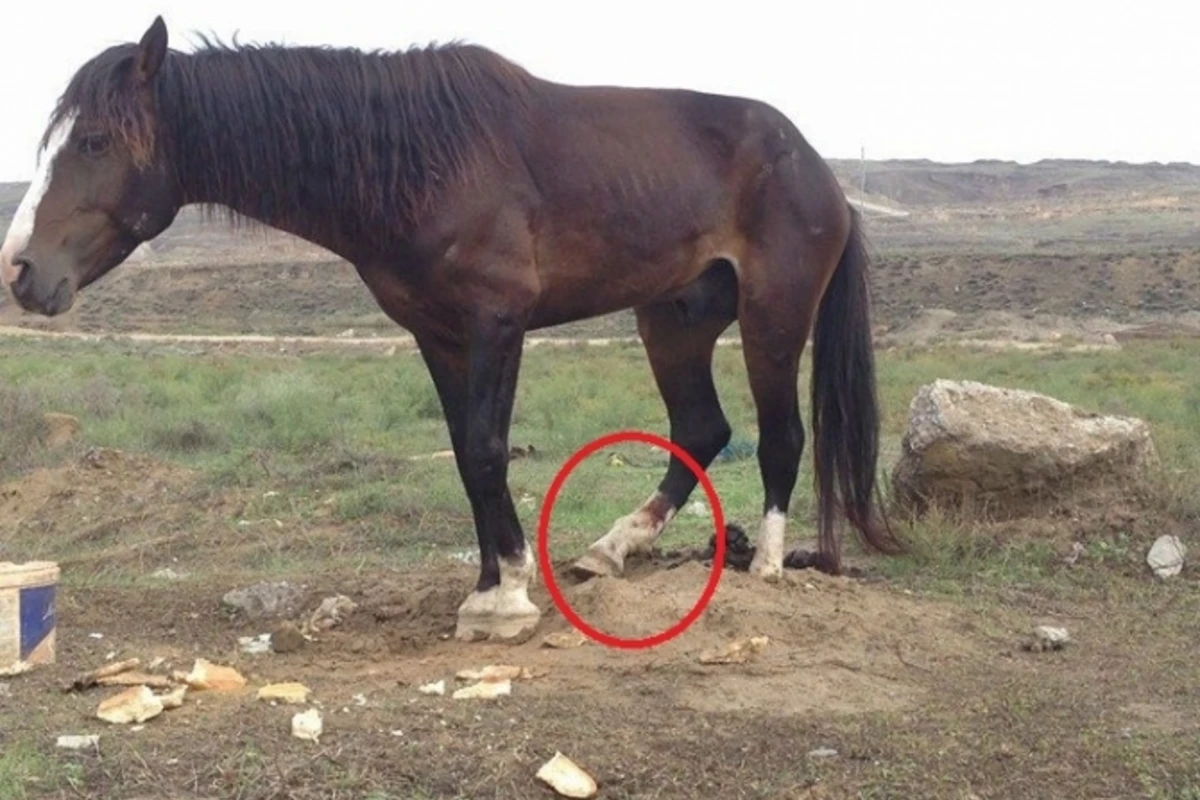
x=24, y=269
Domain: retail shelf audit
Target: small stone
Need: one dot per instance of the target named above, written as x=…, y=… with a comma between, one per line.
x=822, y=752
x=1166, y=556
x=1046, y=637
x=77, y=742
x=564, y=640
x=287, y=638
x=255, y=645
x=329, y=614
x=437, y=687
x=308, y=725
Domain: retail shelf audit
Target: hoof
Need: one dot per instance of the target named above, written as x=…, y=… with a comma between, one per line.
x=765, y=568
x=596, y=563
x=490, y=628
x=503, y=612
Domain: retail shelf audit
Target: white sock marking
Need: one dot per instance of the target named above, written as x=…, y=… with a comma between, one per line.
x=21, y=228
x=505, y=609
x=768, y=554
x=636, y=531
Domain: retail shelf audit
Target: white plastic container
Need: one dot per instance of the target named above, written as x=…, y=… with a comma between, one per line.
x=27, y=615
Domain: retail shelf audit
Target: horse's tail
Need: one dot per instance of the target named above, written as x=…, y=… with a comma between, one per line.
x=845, y=410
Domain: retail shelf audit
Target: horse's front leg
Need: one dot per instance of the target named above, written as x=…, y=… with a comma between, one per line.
x=477, y=388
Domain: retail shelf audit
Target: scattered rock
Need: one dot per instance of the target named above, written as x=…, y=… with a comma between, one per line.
x=78, y=742
x=264, y=600
x=437, y=687
x=566, y=778
x=308, y=725
x=136, y=704
x=1166, y=556
x=166, y=574
x=495, y=672
x=484, y=690
x=564, y=640
x=255, y=645
x=293, y=693
x=822, y=752
x=59, y=428
x=287, y=638
x=331, y=612
x=969, y=445
x=1072, y=557
x=206, y=675
x=738, y=652
x=1046, y=637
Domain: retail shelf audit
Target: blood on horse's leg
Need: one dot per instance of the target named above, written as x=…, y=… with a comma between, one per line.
x=680, y=351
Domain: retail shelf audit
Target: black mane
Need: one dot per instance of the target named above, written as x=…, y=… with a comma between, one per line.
x=272, y=129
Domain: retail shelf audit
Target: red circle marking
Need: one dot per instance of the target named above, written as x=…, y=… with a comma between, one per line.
x=718, y=515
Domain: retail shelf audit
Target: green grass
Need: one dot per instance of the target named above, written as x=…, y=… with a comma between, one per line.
x=26, y=771
x=332, y=436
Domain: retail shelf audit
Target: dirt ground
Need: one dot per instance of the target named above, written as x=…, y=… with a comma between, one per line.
x=918, y=696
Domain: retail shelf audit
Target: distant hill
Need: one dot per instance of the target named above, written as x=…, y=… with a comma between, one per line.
x=920, y=182
x=928, y=183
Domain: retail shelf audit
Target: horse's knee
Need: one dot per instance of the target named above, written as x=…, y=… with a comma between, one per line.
x=485, y=467
x=719, y=436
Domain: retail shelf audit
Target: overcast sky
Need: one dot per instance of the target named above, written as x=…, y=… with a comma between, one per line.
x=951, y=81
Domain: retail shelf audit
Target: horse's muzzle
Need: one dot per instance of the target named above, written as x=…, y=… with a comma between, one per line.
x=48, y=298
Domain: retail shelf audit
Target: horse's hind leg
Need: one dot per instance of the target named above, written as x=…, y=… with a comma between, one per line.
x=679, y=338
x=775, y=318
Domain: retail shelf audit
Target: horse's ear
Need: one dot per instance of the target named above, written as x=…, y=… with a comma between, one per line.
x=152, y=49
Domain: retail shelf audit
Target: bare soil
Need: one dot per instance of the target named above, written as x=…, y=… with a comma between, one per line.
x=919, y=695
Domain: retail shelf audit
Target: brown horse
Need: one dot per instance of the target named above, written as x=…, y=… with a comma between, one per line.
x=479, y=202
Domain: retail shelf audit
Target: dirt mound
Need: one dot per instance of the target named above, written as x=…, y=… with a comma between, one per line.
x=836, y=644
x=84, y=502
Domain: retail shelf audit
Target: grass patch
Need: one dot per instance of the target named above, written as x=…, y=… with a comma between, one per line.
x=331, y=439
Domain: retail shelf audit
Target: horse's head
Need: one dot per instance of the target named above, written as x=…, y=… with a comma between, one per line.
x=102, y=186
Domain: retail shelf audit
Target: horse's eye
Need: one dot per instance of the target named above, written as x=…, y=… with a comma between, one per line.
x=93, y=144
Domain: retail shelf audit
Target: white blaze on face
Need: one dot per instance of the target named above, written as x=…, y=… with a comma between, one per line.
x=21, y=227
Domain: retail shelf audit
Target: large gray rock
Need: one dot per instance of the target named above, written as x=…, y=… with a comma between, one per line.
x=1005, y=452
